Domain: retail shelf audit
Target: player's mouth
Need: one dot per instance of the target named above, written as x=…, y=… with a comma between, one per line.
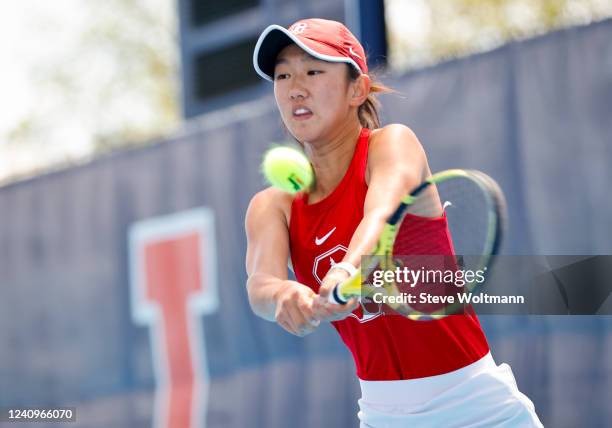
x=301, y=113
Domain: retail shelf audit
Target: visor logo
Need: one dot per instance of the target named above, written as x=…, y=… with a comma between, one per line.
x=352, y=52
x=298, y=28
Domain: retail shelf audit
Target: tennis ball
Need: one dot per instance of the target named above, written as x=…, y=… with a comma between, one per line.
x=287, y=169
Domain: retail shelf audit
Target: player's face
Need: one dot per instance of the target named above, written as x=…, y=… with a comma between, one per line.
x=313, y=96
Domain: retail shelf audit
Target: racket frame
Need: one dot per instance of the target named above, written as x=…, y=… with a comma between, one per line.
x=383, y=252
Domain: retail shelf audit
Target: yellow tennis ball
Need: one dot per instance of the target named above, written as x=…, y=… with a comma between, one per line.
x=287, y=169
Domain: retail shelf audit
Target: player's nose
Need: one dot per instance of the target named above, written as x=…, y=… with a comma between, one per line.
x=297, y=90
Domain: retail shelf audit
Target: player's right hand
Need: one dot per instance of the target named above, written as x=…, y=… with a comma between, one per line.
x=294, y=310
x=326, y=311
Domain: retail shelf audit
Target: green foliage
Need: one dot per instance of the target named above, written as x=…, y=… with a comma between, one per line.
x=113, y=82
x=422, y=32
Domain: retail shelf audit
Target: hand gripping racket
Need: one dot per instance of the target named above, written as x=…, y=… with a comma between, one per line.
x=475, y=211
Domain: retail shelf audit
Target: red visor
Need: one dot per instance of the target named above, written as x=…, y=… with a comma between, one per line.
x=323, y=39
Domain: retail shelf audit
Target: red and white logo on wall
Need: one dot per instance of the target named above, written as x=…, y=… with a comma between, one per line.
x=173, y=283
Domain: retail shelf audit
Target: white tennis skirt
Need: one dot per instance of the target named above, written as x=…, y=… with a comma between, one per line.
x=482, y=394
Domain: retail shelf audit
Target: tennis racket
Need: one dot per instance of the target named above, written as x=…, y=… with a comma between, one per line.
x=475, y=212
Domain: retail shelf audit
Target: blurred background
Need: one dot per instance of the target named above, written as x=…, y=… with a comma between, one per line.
x=131, y=133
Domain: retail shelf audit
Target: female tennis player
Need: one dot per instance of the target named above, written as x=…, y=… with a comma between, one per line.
x=419, y=374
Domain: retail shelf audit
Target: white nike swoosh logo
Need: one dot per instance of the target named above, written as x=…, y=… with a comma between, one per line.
x=319, y=241
x=352, y=52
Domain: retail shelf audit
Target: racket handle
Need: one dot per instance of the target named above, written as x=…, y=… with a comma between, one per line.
x=335, y=297
x=343, y=291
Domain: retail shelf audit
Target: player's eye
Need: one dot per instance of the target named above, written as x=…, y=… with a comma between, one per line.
x=281, y=76
x=314, y=72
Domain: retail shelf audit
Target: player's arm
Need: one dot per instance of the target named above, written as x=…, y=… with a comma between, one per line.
x=396, y=164
x=271, y=295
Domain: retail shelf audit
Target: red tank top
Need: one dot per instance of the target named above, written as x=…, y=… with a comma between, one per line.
x=384, y=347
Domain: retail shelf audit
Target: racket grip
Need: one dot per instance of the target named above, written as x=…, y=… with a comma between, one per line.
x=335, y=297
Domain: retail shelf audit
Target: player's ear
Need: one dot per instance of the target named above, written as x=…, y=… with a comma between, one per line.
x=360, y=89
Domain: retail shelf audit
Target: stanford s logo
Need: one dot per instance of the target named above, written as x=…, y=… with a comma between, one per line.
x=173, y=283
x=324, y=262
x=368, y=310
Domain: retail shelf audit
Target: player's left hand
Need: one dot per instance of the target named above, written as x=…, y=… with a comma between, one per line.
x=322, y=308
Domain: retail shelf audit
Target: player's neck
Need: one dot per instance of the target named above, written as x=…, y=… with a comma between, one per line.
x=331, y=160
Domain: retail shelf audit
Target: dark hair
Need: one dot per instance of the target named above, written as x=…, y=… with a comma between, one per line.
x=368, y=111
